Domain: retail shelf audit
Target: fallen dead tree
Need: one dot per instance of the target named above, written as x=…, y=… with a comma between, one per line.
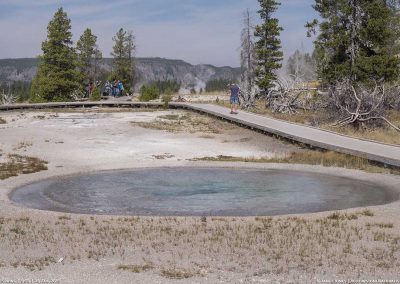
x=7, y=99
x=248, y=94
x=288, y=95
x=360, y=104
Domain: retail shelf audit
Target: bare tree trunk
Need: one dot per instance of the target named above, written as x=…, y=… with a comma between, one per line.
x=354, y=27
x=249, y=51
x=248, y=88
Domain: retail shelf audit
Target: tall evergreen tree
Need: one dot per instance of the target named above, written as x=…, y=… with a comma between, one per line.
x=123, y=53
x=57, y=77
x=357, y=40
x=89, y=56
x=268, y=45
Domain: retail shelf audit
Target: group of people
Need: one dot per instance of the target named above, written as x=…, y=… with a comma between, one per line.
x=114, y=89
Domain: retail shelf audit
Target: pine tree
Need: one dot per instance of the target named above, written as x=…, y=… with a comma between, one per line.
x=57, y=77
x=268, y=45
x=357, y=40
x=89, y=56
x=123, y=53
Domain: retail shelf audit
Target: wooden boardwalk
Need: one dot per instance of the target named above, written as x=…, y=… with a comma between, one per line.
x=119, y=103
x=379, y=152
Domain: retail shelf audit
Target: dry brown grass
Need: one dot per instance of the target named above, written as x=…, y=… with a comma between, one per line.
x=326, y=159
x=163, y=156
x=174, y=273
x=178, y=248
x=186, y=122
x=171, y=117
x=17, y=164
x=207, y=136
x=2, y=121
x=384, y=134
x=136, y=268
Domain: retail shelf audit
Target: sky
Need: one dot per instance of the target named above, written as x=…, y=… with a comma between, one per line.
x=197, y=31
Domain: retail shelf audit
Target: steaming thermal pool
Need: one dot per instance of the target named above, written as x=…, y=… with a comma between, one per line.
x=200, y=192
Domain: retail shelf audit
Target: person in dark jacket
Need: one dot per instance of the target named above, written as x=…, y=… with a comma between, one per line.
x=234, y=100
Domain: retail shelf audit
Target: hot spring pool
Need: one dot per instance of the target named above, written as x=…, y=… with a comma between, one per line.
x=200, y=192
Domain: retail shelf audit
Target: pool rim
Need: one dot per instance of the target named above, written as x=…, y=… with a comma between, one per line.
x=392, y=186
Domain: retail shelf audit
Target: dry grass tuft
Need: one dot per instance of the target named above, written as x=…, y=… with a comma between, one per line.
x=326, y=159
x=367, y=213
x=173, y=273
x=335, y=243
x=17, y=164
x=171, y=117
x=163, y=156
x=187, y=122
x=381, y=225
x=352, y=216
x=2, y=121
x=207, y=136
x=136, y=268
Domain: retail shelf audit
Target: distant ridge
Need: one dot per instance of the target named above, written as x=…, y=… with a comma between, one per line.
x=148, y=69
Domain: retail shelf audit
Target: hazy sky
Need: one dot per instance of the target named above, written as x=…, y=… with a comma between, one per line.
x=198, y=31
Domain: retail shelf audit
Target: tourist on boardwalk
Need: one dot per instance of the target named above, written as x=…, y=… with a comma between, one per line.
x=89, y=89
x=108, y=89
x=115, y=89
x=120, y=87
x=234, y=100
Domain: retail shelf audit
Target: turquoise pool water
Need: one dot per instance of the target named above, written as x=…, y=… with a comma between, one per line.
x=200, y=192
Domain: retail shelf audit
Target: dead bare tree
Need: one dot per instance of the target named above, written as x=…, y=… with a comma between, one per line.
x=354, y=26
x=249, y=90
x=359, y=104
x=285, y=96
x=7, y=98
x=78, y=95
x=393, y=98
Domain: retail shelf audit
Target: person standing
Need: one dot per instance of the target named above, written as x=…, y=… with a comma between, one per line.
x=120, y=88
x=115, y=88
x=108, y=89
x=234, y=100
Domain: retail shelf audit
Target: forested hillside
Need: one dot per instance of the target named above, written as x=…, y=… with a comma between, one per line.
x=148, y=70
